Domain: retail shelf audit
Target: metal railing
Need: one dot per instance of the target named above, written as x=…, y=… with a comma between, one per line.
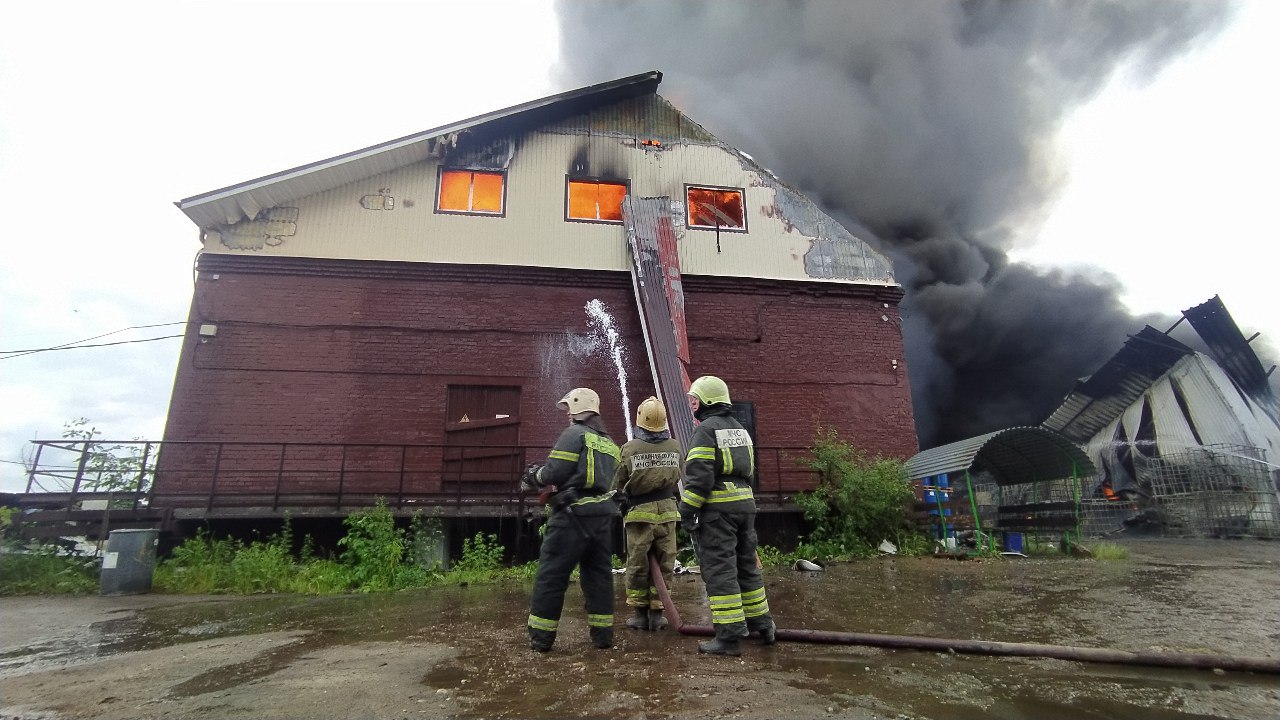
x=277, y=476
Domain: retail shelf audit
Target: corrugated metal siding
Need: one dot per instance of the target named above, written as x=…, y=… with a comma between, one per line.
x=646, y=118
x=1220, y=414
x=533, y=231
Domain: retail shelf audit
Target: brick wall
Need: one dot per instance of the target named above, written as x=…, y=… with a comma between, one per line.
x=364, y=353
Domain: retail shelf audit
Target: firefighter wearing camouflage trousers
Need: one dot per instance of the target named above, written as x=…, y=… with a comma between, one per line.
x=579, y=533
x=648, y=473
x=718, y=509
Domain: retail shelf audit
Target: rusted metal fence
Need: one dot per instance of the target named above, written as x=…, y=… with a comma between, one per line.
x=221, y=477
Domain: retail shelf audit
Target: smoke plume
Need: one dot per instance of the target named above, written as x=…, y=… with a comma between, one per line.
x=929, y=124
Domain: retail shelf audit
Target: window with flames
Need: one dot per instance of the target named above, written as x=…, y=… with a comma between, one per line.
x=594, y=200
x=713, y=207
x=471, y=191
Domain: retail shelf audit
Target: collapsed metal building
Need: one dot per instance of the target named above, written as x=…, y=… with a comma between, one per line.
x=1185, y=442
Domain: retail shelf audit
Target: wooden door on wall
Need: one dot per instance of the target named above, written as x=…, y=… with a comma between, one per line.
x=482, y=452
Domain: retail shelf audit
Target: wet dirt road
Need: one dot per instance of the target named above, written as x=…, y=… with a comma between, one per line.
x=460, y=652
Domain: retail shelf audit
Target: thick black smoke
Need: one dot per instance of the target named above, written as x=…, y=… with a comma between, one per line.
x=928, y=123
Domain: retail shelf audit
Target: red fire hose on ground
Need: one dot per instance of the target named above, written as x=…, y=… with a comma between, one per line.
x=982, y=647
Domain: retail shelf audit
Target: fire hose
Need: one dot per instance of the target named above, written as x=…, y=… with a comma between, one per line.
x=1198, y=661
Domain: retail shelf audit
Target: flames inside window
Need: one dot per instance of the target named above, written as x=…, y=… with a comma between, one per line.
x=470, y=191
x=593, y=200
x=715, y=208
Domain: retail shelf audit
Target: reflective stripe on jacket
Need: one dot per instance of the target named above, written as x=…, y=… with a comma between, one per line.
x=719, y=466
x=585, y=460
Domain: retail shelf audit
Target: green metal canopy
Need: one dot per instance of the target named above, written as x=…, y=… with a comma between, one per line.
x=1013, y=456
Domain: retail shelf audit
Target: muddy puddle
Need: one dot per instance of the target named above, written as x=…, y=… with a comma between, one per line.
x=460, y=652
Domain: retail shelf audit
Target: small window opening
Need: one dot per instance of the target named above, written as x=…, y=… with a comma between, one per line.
x=595, y=201
x=470, y=191
x=719, y=208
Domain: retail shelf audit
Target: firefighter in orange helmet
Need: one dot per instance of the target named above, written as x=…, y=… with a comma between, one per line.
x=648, y=473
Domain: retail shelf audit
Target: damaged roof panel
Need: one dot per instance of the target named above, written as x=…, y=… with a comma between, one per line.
x=1229, y=348
x=1103, y=396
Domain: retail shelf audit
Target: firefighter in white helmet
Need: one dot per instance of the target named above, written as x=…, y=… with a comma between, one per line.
x=718, y=509
x=646, y=480
x=576, y=477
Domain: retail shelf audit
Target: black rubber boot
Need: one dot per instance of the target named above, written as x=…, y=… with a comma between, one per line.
x=640, y=620
x=602, y=637
x=768, y=634
x=720, y=647
x=657, y=621
x=541, y=640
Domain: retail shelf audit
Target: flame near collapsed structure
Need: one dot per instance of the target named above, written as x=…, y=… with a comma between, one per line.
x=925, y=125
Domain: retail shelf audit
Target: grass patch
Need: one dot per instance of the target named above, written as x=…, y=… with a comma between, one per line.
x=375, y=555
x=41, y=571
x=1109, y=551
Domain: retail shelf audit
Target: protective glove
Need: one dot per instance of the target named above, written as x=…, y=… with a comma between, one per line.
x=623, y=501
x=529, y=479
x=688, y=518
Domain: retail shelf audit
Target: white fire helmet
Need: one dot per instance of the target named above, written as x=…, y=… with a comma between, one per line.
x=710, y=390
x=651, y=415
x=578, y=401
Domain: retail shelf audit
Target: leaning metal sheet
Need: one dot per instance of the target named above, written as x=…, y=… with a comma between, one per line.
x=655, y=275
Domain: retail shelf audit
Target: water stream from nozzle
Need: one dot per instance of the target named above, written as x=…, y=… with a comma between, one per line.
x=604, y=325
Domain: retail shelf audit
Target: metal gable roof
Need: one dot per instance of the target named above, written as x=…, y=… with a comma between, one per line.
x=231, y=204
x=1012, y=456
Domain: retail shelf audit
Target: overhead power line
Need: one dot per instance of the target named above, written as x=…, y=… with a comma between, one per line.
x=20, y=353
x=76, y=343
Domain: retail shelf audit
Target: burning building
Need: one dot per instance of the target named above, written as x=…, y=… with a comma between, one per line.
x=398, y=322
x=1183, y=439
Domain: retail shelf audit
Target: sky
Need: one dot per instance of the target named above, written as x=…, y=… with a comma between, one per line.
x=111, y=112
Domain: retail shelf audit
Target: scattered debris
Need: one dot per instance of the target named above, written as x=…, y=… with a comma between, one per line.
x=808, y=565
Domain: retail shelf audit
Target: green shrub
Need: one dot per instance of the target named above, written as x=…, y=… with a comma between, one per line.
x=859, y=501
x=262, y=567
x=374, y=547
x=201, y=564
x=481, y=561
x=317, y=576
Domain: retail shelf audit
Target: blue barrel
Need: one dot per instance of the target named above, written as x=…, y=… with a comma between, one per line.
x=1013, y=542
x=129, y=561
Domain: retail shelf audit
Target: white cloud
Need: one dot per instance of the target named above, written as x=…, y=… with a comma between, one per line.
x=113, y=111
x=1171, y=184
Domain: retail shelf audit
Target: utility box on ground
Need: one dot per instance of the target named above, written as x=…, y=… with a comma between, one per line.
x=129, y=562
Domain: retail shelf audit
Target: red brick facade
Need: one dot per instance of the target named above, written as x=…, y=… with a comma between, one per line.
x=311, y=351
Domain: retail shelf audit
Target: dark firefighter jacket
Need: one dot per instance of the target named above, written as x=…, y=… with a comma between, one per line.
x=647, y=474
x=719, y=467
x=583, y=461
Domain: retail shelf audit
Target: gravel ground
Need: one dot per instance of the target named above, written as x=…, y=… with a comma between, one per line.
x=460, y=652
